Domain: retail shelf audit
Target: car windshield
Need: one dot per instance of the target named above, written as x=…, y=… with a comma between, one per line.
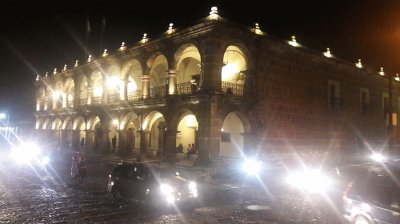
x=162, y=172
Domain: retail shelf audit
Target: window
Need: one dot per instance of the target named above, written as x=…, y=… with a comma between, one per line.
x=364, y=100
x=334, y=95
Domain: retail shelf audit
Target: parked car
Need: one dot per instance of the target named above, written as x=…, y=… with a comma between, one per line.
x=373, y=196
x=150, y=182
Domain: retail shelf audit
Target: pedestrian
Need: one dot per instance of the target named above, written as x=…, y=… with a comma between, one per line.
x=192, y=150
x=188, y=150
x=82, y=143
x=114, y=143
x=82, y=167
x=75, y=169
x=179, y=149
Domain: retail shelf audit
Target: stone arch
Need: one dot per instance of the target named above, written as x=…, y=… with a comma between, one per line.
x=39, y=123
x=80, y=125
x=235, y=63
x=56, y=124
x=114, y=80
x=132, y=73
x=188, y=63
x=57, y=94
x=234, y=128
x=154, y=127
x=185, y=125
x=158, y=65
x=47, y=124
x=96, y=79
x=69, y=89
x=130, y=124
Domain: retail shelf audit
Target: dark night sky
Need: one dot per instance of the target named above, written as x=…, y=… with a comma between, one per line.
x=36, y=39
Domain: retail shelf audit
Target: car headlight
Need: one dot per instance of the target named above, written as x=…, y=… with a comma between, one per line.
x=45, y=160
x=252, y=167
x=166, y=189
x=309, y=180
x=193, y=188
x=25, y=152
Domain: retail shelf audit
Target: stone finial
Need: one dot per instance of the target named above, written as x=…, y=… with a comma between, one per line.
x=381, y=72
x=89, y=58
x=104, y=53
x=65, y=68
x=293, y=42
x=122, y=47
x=170, y=28
x=397, y=78
x=327, y=53
x=46, y=75
x=214, y=12
x=257, y=29
x=144, y=39
x=359, y=64
x=37, y=77
x=55, y=71
x=76, y=63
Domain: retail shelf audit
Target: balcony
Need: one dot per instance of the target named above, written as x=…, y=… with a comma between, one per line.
x=232, y=88
x=158, y=92
x=96, y=100
x=134, y=96
x=185, y=88
x=113, y=98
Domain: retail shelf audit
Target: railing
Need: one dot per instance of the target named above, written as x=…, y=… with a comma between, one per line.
x=158, y=92
x=133, y=96
x=113, y=98
x=83, y=101
x=185, y=88
x=232, y=88
x=96, y=100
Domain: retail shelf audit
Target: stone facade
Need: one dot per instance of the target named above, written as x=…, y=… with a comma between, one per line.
x=285, y=99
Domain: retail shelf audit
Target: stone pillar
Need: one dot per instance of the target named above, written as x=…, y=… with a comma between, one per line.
x=121, y=144
x=211, y=65
x=144, y=141
x=89, y=95
x=171, y=81
x=75, y=140
x=64, y=100
x=89, y=143
x=145, y=86
x=209, y=133
x=161, y=140
x=170, y=145
x=64, y=138
x=248, y=144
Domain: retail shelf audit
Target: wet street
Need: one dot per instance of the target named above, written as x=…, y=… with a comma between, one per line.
x=29, y=195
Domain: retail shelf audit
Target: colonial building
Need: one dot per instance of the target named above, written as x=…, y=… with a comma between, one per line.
x=227, y=88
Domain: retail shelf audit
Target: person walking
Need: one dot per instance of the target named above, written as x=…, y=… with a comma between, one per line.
x=75, y=169
x=82, y=144
x=114, y=143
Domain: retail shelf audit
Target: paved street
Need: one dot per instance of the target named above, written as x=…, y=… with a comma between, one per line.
x=29, y=196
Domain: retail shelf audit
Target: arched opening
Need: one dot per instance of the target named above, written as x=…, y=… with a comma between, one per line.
x=186, y=136
x=154, y=128
x=188, y=65
x=70, y=92
x=158, y=72
x=95, y=127
x=232, y=137
x=115, y=85
x=113, y=134
x=83, y=91
x=131, y=125
x=56, y=127
x=133, y=74
x=66, y=136
x=57, y=95
x=80, y=132
x=97, y=87
x=232, y=74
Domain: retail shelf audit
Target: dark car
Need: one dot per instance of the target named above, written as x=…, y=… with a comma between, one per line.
x=150, y=182
x=373, y=197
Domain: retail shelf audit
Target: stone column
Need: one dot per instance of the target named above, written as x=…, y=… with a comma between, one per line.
x=64, y=139
x=145, y=86
x=89, y=140
x=171, y=81
x=75, y=140
x=121, y=144
x=211, y=65
x=170, y=145
x=64, y=100
x=161, y=140
x=123, y=91
x=89, y=95
x=144, y=141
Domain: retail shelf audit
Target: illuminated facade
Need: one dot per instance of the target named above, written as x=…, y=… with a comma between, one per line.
x=226, y=88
